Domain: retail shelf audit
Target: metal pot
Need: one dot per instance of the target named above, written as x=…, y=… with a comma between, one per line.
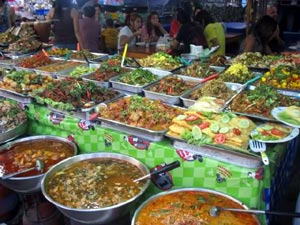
x=30, y=184
x=100, y=215
x=187, y=190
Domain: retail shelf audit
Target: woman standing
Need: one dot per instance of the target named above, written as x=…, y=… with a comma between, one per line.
x=130, y=32
x=152, y=30
x=7, y=16
x=66, y=24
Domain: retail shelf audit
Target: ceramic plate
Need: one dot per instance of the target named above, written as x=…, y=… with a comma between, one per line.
x=276, y=112
x=293, y=47
x=294, y=133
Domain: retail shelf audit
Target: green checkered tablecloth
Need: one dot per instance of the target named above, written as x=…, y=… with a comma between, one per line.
x=244, y=184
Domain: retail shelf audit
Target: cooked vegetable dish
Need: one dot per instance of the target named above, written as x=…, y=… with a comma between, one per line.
x=172, y=85
x=191, y=208
x=141, y=112
x=95, y=183
x=212, y=88
x=11, y=115
x=71, y=93
x=138, y=77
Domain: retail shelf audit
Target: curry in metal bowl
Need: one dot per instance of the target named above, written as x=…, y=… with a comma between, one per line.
x=190, y=206
x=95, y=183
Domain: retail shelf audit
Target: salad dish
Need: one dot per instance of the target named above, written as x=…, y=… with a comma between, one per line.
x=274, y=133
x=287, y=115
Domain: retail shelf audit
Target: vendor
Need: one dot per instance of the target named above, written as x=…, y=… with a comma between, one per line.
x=7, y=16
x=265, y=31
x=66, y=25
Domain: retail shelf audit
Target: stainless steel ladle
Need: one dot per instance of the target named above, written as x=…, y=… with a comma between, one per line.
x=39, y=166
x=215, y=211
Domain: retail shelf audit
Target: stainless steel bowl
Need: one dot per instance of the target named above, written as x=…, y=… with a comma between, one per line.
x=30, y=184
x=101, y=215
x=187, y=190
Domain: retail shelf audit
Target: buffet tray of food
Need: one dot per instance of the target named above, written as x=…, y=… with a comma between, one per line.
x=170, y=88
x=220, y=90
x=139, y=116
x=57, y=68
x=258, y=102
x=136, y=80
x=220, y=153
x=13, y=133
x=26, y=99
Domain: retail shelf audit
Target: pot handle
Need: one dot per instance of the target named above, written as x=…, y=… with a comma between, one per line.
x=166, y=168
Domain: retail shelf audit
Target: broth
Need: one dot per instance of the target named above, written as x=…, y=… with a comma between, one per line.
x=95, y=183
x=191, y=207
x=24, y=155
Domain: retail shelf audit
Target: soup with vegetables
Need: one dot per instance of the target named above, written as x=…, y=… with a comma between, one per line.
x=191, y=207
x=95, y=183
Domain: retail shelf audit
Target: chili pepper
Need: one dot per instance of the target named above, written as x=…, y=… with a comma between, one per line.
x=88, y=94
x=169, y=90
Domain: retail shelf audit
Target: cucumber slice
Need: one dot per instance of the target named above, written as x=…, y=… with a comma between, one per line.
x=243, y=123
x=214, y=127
x=197, y=133
x=225, y=118
x=224, y=130
x=181, y=117
x=267, y=127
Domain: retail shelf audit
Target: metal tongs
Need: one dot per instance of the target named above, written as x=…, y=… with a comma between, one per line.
x=238, y=91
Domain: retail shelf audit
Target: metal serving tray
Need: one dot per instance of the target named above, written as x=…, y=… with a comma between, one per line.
x=83, y=113
x=13, y=133
x=221, y=154
x=137, y=131
x=15, y=96
x=106, y=84
x=129, y=88
x=53, y=73
x=291, y=94
x=189, y=102
x=172, y=100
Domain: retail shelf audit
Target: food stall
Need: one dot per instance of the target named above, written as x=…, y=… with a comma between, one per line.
x=91, y=125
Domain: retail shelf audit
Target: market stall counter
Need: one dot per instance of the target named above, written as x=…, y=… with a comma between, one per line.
x=247, y=182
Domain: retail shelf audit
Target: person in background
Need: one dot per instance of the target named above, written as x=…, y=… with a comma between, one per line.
x=265, y=30
x=189, y=33
x=99, y=16
x=272, y=11
x=213, y=31
x=174, y=26
x=7, y=16
x=87, y=3
x=110, y=37
x=90, y=29
x=65, y=25
x=152, y=30
x=130, y=33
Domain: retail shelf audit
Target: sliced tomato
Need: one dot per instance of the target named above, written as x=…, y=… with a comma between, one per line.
x=277, y=132
x=220, y=138
x=191, y=118
x=265, y=133
x=236, y=131
x=204, y=125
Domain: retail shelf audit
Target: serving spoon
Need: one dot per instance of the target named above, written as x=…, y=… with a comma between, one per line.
x=215, y=211
x=39, y=166
x=165, y=168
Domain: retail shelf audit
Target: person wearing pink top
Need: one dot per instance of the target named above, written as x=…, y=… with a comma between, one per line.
x=152, y=30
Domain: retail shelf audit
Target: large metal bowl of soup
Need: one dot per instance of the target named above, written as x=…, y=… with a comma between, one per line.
x=95, y=188
x=22, y=154
x=190, y=206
